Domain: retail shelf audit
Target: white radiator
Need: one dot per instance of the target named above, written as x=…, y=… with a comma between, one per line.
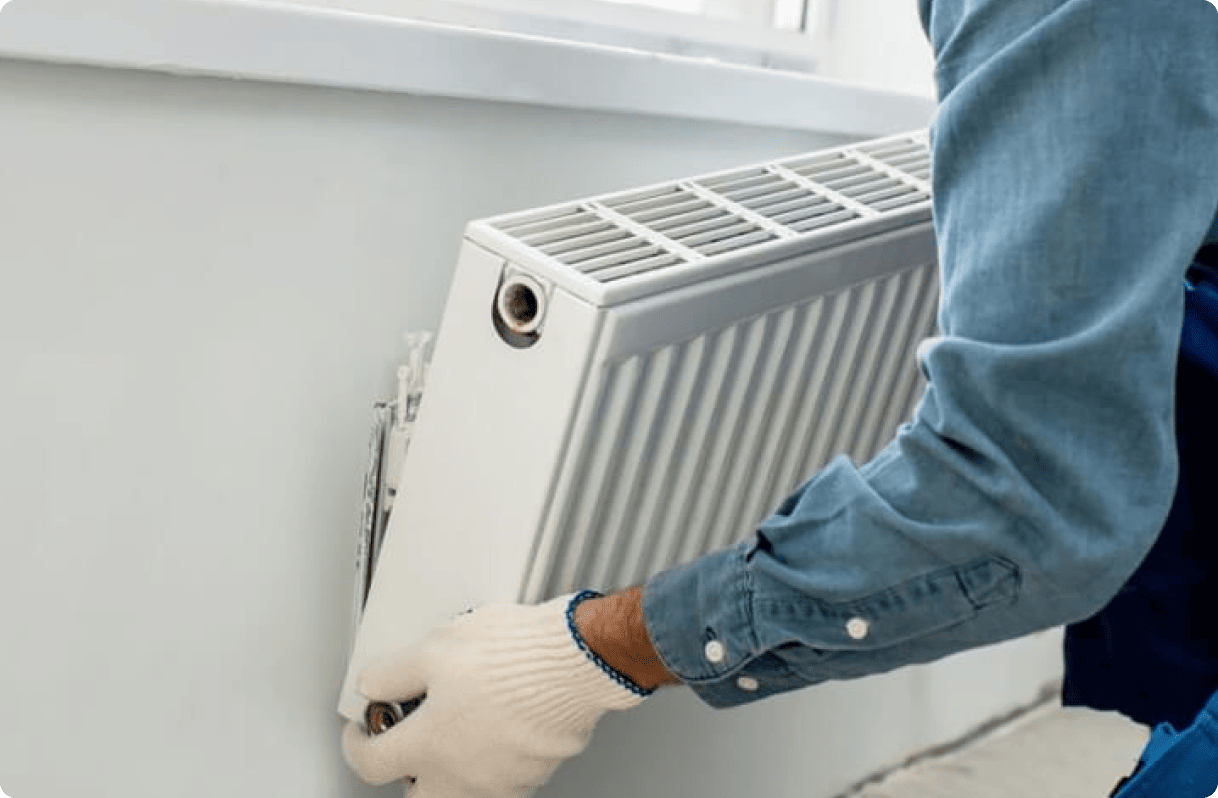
x=627, y=382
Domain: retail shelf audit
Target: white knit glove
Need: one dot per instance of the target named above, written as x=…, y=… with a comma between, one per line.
x=510, y=694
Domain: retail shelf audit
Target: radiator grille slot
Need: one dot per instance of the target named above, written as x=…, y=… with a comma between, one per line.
x=625, y=236
x=797, y=208
x=582, y=239
x=910, y=158
x=690, y=220
x=695, y=443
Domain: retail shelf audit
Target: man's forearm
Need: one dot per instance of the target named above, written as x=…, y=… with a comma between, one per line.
x=614, y=628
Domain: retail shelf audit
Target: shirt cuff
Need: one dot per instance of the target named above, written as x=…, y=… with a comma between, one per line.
x=700, y=620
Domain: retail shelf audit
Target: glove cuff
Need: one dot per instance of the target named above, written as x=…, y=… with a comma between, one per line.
x=543, y=669
x=619, y=678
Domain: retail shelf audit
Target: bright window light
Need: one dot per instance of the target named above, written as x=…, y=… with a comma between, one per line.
x=781, y=14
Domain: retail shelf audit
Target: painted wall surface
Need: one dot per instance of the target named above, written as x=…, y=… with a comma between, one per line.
x=203, y=286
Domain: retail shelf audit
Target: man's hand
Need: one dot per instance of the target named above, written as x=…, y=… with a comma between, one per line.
x=509, y=694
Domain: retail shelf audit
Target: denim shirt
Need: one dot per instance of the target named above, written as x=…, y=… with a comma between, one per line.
x=1075, y=175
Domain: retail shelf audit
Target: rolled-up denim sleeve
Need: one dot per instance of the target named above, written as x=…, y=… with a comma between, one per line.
x=1076, y=173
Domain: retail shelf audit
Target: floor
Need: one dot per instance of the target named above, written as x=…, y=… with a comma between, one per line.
x=1049, y=752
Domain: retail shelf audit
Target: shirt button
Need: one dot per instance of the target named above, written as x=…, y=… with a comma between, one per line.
x=857, y=628
x=747, y=683
x=715, y=652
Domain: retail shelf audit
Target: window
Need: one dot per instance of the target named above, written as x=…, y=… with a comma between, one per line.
x=764, y=33
x=779, y=14
x=877, y=43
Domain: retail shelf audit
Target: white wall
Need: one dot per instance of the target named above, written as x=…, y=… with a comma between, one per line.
x=202, y=288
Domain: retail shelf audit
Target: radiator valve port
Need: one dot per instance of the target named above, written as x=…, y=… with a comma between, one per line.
x=520, y=306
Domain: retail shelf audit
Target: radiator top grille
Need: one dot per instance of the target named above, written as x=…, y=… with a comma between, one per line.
x=617, y=237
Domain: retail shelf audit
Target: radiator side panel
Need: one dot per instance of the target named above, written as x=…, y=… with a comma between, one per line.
x=479, y=474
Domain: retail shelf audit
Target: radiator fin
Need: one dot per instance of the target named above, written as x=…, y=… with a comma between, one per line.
x=696, y=442
x=629, y=235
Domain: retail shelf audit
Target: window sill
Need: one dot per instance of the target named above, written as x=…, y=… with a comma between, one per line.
x=293, y=42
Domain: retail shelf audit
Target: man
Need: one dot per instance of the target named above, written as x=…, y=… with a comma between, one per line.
x=1076, y=178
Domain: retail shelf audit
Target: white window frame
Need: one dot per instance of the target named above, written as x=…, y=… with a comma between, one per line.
x=616, y=24
x=359, y=46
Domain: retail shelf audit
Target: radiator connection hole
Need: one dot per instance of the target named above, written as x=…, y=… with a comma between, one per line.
x=520, y=307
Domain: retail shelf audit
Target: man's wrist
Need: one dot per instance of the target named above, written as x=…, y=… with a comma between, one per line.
x=614, y=628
